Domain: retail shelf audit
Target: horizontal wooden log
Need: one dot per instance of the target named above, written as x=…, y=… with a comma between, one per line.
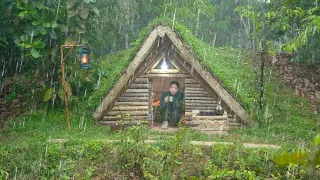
x=138, y=86
x=190, y=81
x=192, y=85
x=199, y=98
x=111, y=118
x=211, y=129
x=125, y=122
x=131, y=94
x=132, y=103
x=189, y=95
x=129, y=108
x=165, y=75
x=234, y=124
x=141, y=80
x=133, y=99
x=133, y=113
x=196, y=92
x=201, y=101
x=201, y=108
x=195, y=89
x=191, y=104
x=136, y=91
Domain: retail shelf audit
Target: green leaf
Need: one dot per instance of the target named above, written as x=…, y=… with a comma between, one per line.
x=63, y=28
x=35, y=53
x=70, y=41
x=48, y=94
x=96, y=11
x=38, y=44
x=43, y=31
x=81, y=29
x=22, y=14
x=316, y=140
x=70, y=3
x=53, y=34
x=84, y=12
x=47, y=24
x=61, y=93
x=54, y=24
x=35, y=23
x=71, y=12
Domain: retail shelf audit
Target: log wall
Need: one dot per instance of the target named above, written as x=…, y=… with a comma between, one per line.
x=197, y=98
x=133, y=101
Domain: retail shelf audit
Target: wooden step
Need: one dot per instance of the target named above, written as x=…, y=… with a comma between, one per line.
x=136, y=91
x=131, y=103
x=112, y=118
x=133, y=98
x=129, y=108
x=120, y=122
x=133, y=113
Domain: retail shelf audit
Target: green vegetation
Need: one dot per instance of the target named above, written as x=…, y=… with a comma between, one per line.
x=222, y=35
x=32, y=150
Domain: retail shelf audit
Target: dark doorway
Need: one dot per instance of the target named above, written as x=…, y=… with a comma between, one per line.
x=160, y=85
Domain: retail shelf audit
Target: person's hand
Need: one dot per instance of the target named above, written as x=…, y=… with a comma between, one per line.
x=166, y=99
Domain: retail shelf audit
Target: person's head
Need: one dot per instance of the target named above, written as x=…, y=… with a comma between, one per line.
x=174, y=87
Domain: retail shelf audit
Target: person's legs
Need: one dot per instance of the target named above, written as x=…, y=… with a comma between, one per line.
x=175, y=117
x=165, y=122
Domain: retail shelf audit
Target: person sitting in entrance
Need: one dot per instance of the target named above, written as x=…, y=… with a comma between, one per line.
x=171, y=104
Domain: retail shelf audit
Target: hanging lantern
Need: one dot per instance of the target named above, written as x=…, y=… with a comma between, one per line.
x=84, y=57
x=164, y=65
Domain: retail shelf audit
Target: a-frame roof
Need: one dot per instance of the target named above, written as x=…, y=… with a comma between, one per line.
x=181, y=52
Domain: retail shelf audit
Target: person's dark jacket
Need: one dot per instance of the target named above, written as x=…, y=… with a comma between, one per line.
x=178, y=101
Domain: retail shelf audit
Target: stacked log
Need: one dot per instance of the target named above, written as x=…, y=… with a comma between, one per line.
x=132, y=105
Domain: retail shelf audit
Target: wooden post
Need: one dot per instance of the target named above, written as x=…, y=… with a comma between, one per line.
x=63, y=58
x=64, y=88
x=150, y=110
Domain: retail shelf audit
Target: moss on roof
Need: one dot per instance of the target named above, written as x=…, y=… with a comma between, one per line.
x=284, y=112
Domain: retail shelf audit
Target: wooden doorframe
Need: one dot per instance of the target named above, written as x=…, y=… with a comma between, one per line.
x=150, y=100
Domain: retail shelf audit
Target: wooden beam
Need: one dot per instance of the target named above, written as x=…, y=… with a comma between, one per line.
x=133, y=99
x=129, y=108
x=125, y=122
x=165, y=75
x=112, y=118
x=132, y=112
x=141, y=80
x=137, y=91
x=138, y=86
x=130, y=94
x=132, y=103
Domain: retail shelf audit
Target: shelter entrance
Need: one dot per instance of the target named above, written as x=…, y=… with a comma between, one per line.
x=159, y=86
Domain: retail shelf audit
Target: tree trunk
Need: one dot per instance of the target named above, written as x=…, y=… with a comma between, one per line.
x=127, y=23
x=261, y=77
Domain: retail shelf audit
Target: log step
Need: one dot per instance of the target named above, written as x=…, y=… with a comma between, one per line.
x=111, y=118
x=132, y=99
x=125, y=122
x=138, y=86
x=130, y=94
x=129, y=108
x=133, y=113
x=132, y=103
x=136, y=91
